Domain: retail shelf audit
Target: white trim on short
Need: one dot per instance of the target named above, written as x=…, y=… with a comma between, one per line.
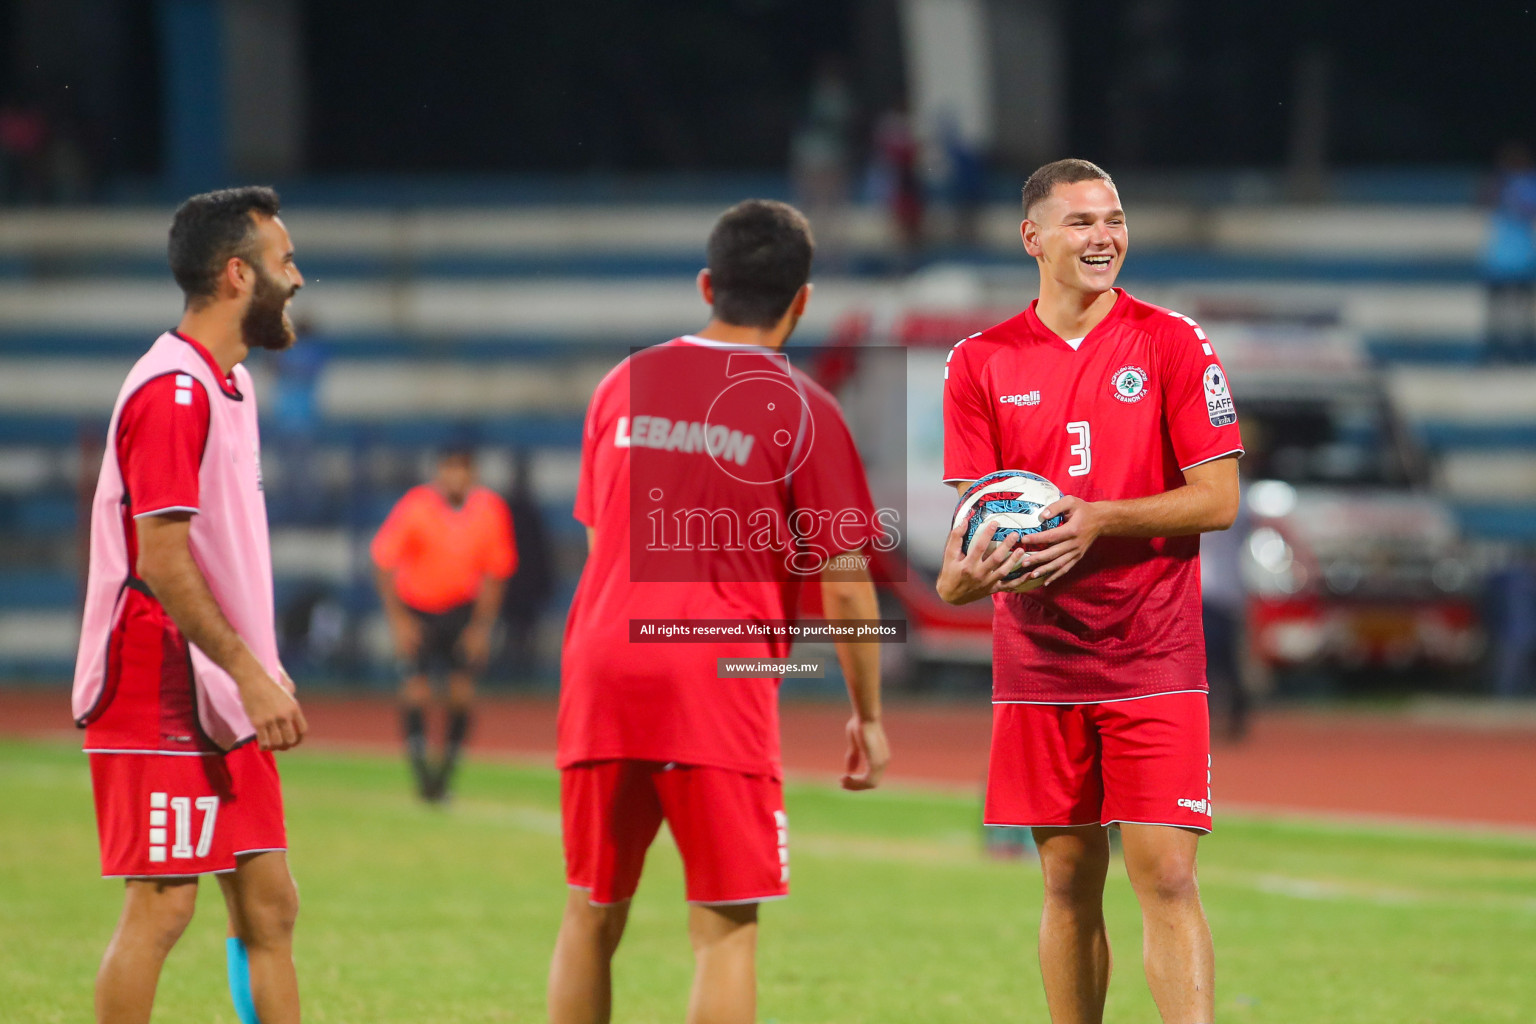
x=1169, y=824
x=1010, y=824
x=737, y=903
x=959, y=480
x=588, y=889
x=1235, y=451
x=179, y=874
x=261, y=849
x=1112, y=700
x=158, y=753
x=169, y=508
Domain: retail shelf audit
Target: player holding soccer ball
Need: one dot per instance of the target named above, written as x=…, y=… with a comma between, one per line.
x=716, y=482
x=1099, y=685
x=178, y=684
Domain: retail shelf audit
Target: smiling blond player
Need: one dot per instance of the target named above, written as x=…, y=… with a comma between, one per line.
x=1099, y=685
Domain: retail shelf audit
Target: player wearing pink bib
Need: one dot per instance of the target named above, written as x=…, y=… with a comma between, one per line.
x=716, y=481
x=178, y=684
x=1099, y=683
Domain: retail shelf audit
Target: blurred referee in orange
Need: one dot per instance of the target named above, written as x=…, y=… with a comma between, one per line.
x=443, y=557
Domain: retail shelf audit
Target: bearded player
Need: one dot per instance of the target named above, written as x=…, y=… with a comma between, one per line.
x=1099, y=685
x=716, y=481
x=178, y=685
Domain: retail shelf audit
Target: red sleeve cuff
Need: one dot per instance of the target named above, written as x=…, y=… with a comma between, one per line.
x=161, y=433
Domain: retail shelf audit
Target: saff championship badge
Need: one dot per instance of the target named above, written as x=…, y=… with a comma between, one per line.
x=1218, y=397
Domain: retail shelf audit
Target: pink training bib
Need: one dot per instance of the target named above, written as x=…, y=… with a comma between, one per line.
x=228, y=539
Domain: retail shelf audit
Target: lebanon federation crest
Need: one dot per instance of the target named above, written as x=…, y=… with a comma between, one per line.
x=1129, y=383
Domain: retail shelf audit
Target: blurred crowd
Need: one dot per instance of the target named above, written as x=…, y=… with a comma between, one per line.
x=43, y=158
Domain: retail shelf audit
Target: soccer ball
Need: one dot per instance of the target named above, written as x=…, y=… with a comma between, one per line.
x=1013, y=499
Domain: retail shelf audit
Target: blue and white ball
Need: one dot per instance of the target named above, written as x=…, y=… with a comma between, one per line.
x=1013, y=499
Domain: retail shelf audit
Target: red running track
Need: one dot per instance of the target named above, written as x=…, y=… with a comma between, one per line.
x=1298, y=761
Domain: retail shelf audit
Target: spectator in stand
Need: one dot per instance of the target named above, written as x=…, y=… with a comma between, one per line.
x=1509, y=259
x=895, y=179
x=965, y=180
x=23, y=151
x=821, y=153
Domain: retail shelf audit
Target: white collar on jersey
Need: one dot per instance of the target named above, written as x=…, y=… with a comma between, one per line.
x=694, y=339
x=1076, y=343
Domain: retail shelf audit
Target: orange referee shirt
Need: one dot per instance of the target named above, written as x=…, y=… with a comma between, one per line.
x=441, y=554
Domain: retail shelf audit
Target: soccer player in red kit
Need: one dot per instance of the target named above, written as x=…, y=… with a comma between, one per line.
x=1099, y=685
x=716, y=481
x=178, y=685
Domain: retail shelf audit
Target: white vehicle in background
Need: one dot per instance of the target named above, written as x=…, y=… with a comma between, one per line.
x=1350, y=563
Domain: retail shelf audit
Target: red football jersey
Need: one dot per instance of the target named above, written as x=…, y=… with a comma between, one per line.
x=717, y=479
x=1141, y=399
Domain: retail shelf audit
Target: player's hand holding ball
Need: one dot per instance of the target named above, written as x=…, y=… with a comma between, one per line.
x=1055, y=551
x=996, y=517
x=982, y=570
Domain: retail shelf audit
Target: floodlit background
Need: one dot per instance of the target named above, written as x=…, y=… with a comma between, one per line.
x=492, y=203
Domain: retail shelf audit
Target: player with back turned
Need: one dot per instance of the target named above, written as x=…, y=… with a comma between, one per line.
x=178, y=684
x=716, y=481
x=1099, y=687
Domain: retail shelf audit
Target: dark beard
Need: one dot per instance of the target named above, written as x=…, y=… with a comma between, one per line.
x=265, y=324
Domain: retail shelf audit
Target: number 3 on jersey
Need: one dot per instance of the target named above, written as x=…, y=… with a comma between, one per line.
x=1081, y=449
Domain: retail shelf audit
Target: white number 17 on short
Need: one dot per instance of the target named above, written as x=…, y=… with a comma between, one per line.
x=179, y=831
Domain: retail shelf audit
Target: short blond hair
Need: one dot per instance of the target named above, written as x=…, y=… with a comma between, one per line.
x=1061, y=172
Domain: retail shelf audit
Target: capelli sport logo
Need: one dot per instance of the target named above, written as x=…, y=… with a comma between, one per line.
x=1130, y=383
x=1198, y=806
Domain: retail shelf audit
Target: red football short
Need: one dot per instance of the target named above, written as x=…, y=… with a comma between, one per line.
x=164, y=814
x=1141, y=761
x=729, y=827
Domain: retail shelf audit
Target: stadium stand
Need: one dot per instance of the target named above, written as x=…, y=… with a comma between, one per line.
x=494, y=323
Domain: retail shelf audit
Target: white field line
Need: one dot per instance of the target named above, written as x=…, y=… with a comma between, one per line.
x=963, y=850
x=1351, y=822
x=952, y=850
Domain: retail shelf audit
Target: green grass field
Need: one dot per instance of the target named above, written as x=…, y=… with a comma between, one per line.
x=420, y=915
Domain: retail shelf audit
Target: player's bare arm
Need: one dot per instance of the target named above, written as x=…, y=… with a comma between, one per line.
x=167, y=568
x=404, y=627
x=969, y=576
x=850, y=594
x=476, y=640
x=1207, y=501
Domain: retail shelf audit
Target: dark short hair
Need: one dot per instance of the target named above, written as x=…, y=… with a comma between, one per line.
x=759, y=256
x=209, y=229
x=1061, y=172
